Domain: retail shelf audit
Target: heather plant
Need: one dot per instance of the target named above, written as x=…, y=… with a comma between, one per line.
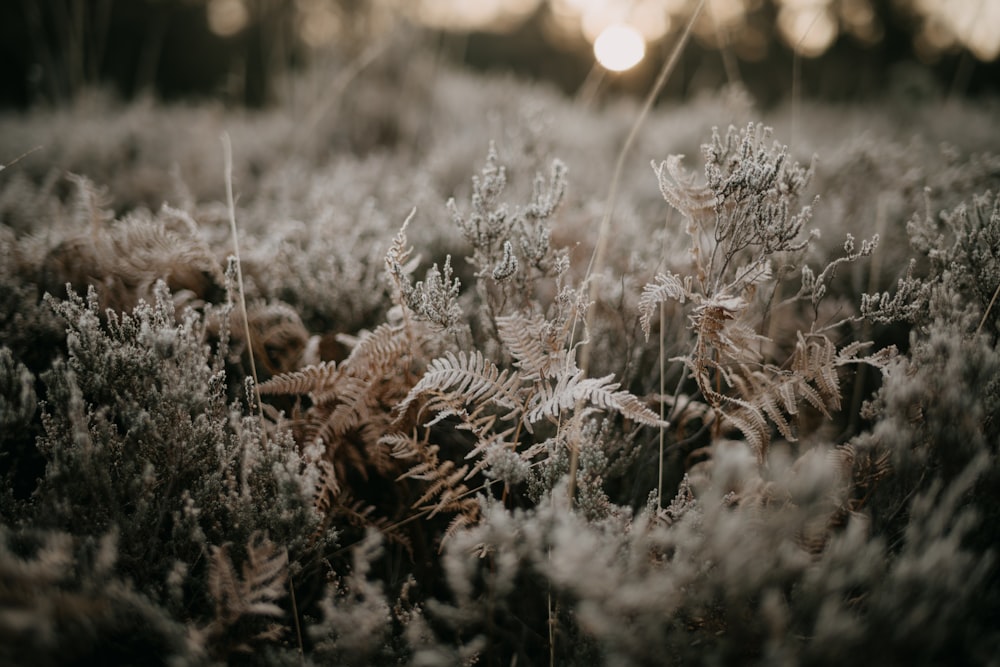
x=141, y=444
x=962, y=249
x=63, y=596
x=742, y=223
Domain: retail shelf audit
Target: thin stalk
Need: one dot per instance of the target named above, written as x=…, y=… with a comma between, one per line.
x=600, y=249
x=20, y=157
x=996, y=293
x=797, y=77
x=663, y=391
x=587, y=93
x=874, y=271
x=227, y=148
x=295, y=617
x=728, y=61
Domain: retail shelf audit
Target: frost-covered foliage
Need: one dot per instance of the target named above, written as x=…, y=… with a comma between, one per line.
x=782, y=448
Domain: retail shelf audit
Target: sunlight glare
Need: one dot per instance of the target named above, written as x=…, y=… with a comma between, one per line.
x=651, y=19
x=318, y=22
x=227, y=17
x=971, y=22
x=809, y=29
x=462, y=15
x=619, y=47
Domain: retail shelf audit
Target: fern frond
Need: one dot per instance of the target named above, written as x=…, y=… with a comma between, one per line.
x=786, y=392
x=770, y=408
x=720, y=329
x=812, y=397
x=447, y=486
x=313, y=378
x=604, y=394
x=401, y=445
x=470, y=378
x=342, y=402
x=264, y=576
x=752, y=424
x=378, y=352
x=327, y=488
x=815, y=360
x=223, y=585
x=667, y=287
x=537, y=349
x=262, y=583
x=362, y=515
x=680, y=190
x=469, y=516
x=423, y=470
x=550, y=400
x=569, y=391
x=763, y=392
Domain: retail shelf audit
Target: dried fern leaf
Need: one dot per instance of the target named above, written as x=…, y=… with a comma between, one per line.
x=378, y=352
x=264, y=576
x=345, y=389
x=601, y=393
x=770, y=408
x=803, y=389
x=362, y=515
x=551, y=399
x=814, y=360
x=327, y=487
x=667, y=287
x=401, y=445
x=751, y=423
x=679, y=189
x=604, y=394
x=443, y=480
x=263, y=581
x=223, y=585
x=310, y=379
x=786, y=391
x=536, y=349
x=469, y=378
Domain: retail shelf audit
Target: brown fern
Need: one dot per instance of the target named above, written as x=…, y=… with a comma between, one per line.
x=468, y=379
x=444, y=483
x=125, y=258
x=536, y=344
x=352, y=408
x=253, y=595
x=309, y=380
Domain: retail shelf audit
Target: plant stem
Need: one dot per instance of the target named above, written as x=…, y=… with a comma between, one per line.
x=227, y=147
x=600, y=248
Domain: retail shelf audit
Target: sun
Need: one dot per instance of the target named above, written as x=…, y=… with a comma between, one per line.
x=619, y=47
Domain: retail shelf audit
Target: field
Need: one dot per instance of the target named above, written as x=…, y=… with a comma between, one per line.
x=430, y=367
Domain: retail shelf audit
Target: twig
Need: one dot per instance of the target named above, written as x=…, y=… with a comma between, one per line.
x=20, y=157
x=996, y=293
x=663, y=380
x=227, y=148
x=295, y=616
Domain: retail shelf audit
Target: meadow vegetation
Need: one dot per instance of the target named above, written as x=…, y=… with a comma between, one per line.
x=763, y=429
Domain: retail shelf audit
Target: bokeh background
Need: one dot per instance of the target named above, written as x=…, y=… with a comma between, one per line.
x=242, y=50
